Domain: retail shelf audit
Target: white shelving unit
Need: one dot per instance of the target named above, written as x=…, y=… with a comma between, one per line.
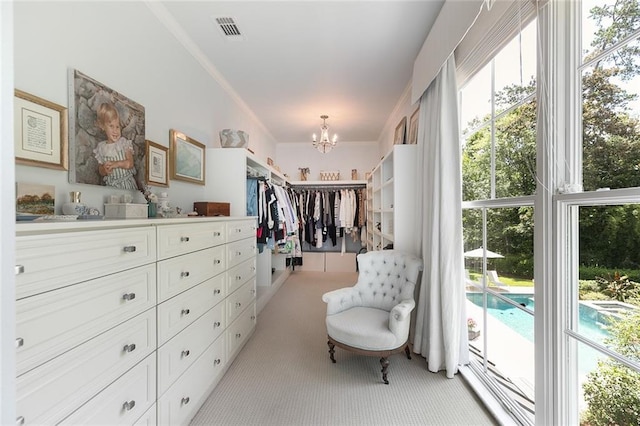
x=391, y=207
x=226, y=178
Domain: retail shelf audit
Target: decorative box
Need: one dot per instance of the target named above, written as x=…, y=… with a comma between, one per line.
x=208, y=208
x=333, y=175
x=126, y=210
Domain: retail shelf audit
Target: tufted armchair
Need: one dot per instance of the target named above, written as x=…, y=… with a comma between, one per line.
x=373, y=317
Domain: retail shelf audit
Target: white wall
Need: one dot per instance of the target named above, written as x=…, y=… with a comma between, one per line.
x=403, y=108
x=124, y=46
x=362, y=156
x=7, y=223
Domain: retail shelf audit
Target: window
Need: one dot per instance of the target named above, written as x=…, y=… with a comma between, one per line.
x=602, y=224
x=498, y=125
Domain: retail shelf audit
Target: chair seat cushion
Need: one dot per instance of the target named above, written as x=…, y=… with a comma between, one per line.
x=363, y=328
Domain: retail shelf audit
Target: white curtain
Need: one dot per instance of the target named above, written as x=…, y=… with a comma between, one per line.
x=441, y=335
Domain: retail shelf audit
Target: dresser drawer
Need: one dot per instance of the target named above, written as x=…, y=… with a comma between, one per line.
x=181, y=351
x=181, y=402
x=240, y=274
x=180, y=273
x=149, y=418
x=178, y=312
x=240, y=300
x=123, y=402
x=49, y=393
x=241, y=229
x=238, y=332
x=174, y=240
x=57, y=260
x=51, y=323
x=240, y=251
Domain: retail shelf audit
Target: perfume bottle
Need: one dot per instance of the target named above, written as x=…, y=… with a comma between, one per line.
x=74, y=206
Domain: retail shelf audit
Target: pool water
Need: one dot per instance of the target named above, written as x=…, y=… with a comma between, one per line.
x=591, y=322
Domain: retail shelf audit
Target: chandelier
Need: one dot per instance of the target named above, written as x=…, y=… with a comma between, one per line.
x=325, y=144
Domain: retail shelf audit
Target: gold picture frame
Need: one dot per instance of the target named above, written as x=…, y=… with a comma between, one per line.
x=187, y=158
x=398, y=137
x=412, y=136
x=41, y=132
x=157, y=173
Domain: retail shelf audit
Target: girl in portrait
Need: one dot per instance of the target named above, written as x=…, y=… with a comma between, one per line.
x=115, y=154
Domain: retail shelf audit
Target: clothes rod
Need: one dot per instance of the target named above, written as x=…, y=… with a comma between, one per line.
x=327, y=187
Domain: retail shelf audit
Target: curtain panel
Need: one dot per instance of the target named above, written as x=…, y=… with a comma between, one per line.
x=440, y=334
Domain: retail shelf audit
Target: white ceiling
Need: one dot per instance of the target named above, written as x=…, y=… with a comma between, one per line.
x=351, y=60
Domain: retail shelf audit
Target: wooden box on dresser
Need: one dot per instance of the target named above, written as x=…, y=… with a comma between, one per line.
x=129, y=321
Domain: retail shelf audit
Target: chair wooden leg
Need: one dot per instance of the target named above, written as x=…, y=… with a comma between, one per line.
x=385, y=363
x=332, y=351
x=407, y=351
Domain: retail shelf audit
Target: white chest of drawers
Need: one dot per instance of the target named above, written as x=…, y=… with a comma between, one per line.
x=129, y=322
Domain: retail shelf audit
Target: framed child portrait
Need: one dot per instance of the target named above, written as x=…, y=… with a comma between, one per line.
x=106, y=135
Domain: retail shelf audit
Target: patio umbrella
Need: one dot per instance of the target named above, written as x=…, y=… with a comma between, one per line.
x=479, y=252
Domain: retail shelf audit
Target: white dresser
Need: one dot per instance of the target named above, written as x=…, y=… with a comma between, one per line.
x=129, y=321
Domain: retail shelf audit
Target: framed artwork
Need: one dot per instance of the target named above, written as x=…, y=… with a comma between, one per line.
x=40, y=132
x=34, y=199
x=412, y=137
x=187, y=158
x=398, y=138
x=157, y=164
x=107, y=136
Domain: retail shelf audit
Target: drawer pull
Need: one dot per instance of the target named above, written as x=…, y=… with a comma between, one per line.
x=216, y=291
x=238, y=335
x=253, y=291
x=185, y=353
x=238, y=229
x=216, y=324
x=238, y=304
x=129, y=249
x=19, y=342
x=217, y=261
x=129, y=296
x=19, y=269
x=217, y=361
x=185, y=312
x=20, y=420
x=184, y=239
x=129, y=348
x=216, y=234
x=238, y=253
x=185, y=400
x=253, y=317
x=184, y=274
x=129, y=405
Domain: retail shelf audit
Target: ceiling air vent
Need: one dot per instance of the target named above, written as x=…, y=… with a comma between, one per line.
x=229, y=28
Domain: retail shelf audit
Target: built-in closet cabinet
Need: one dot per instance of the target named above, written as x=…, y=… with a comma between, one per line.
x=391, y=206
x=226, y=181
x=129, y=321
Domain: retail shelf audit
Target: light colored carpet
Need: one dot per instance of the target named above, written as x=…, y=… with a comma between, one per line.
x=284, y=376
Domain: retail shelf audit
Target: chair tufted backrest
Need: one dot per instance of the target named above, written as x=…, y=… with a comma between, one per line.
x=386, y=278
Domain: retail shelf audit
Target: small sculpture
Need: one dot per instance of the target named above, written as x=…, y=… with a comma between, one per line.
x=304, y=172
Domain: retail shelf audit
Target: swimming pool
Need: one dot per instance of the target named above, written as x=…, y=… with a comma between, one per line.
x=591, y=320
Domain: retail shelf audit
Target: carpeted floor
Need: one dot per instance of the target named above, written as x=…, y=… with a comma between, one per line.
x=284, y=376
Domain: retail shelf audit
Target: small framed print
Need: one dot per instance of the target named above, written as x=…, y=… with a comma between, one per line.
x=157, y=164
x=187, y=158
x=398, y=138
x=412, y=137
x=40, y=132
